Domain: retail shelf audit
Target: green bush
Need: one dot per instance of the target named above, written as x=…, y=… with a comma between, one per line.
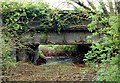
x=6, y=49
x=61, y=48
x=41, y=54
x=15, y=16
x=105, y=49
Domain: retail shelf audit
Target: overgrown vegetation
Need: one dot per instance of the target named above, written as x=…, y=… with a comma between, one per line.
x=64, y=50
x=104, y=52
x=22, y=16
x=17, y=20
x=6, y=49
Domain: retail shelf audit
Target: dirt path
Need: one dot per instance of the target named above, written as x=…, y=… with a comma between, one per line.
x=29, y=72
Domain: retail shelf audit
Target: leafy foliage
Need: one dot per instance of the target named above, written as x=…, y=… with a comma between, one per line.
x=6, y=49
x=19, y=18
x=104, y=54
x=105, y=50
x=61, y=48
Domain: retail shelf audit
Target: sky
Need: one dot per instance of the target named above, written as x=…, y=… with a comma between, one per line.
x=62, y=4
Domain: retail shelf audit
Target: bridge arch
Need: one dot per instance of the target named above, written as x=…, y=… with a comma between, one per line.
x=31, y=54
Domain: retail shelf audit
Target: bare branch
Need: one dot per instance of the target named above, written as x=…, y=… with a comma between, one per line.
x=83, y=5
x=104, y=8
x=87, y=8
x=111, y=8
x=115, y=4
x=91, y=4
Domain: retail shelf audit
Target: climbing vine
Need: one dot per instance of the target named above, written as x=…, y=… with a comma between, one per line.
x=20, y=18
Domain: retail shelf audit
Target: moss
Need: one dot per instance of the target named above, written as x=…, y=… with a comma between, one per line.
x=41, y=54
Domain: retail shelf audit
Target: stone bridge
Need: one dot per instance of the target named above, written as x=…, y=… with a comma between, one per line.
x=35, y=36
x=72, y=35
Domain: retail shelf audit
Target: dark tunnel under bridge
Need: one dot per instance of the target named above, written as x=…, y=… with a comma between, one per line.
x=31, y=54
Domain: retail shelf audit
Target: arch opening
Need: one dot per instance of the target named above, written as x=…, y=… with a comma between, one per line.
x=53, y=54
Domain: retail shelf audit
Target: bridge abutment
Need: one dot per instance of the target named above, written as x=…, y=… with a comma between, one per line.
x=21, y=54
x=29, y=53
x=82, y=49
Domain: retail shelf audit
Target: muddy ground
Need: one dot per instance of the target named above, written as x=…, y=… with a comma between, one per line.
x=30, y=72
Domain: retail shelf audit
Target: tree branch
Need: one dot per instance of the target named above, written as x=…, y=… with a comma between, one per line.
x=104, y=8
x=116, y=11
x=111, y=8
x=84, y=6
x=91, y=4
x=87, y=8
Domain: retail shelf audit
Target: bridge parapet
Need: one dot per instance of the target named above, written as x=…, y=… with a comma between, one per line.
x=64, y=37
x=72, y=34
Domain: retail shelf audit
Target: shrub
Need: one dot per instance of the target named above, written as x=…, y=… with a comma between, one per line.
x=105, y=49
